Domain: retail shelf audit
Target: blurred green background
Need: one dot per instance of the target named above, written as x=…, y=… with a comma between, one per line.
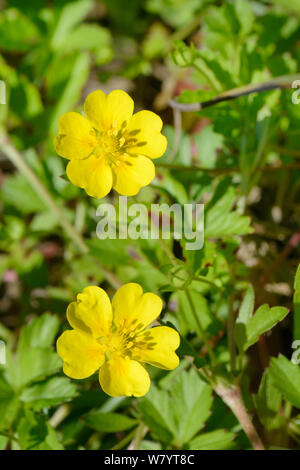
x=245, y=154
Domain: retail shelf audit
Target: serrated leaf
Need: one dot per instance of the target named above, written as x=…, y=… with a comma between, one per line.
x=156, y=412
x=175, y=417
x=220, y=220
x=50, y=392
x=9, y=404
x=208, y=323
x=35, y=433
x=35, y=364
x=192, y=402
x=40, y=332
x=214, y=440
x=109, y=422
x=268, y=403
x=263, y=320
x=286, y=377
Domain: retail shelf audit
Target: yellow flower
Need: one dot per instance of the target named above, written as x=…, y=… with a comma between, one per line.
x=113, y=337
x=111, y=146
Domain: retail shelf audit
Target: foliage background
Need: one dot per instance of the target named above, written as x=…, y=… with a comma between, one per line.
x=244, y=156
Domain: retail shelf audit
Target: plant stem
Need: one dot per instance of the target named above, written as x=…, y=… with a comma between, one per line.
x=124, y=441
x=168, y=251
x=206, y=281
x=278, y=82
x=139, y=436
x=59, y=415
x=232, y=397
x=17, y=159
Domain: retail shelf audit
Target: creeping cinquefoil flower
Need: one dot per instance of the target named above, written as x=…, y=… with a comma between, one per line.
x=111, y=146
x=113, y=337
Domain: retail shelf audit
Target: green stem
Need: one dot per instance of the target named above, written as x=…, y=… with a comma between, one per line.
x=124, y=441
x=139, y=436
x=206, y=281
x=169, y=252
x=278, y=82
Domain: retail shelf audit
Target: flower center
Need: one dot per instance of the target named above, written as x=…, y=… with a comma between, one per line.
x=117, y=343
x=114, y=144
x=110, y=145
x=124, y=340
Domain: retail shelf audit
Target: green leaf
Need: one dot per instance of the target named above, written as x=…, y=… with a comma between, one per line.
x=247, y=306
x=192, y=400
x=9, y=404
x=109, y=422
x=156, y=412
x=16, y=192
x=297, y=305
x=208, y=142
x=183, y=154
x=35, y=364
x=25, y=99
x=3, y=442
x=263, y=320
x=214, y=440
x=176, y=416
x=268, y=402
x=70, y=16
x=245, y=16
x=244, y=315
x=17, y=31
x=167, y=183
x=289, y=5
x=187, y=320
x=36, y=434
x=72, y=90
x=40, y=332
x=91, y=37
x=286, y=377
x=220, y=220
x=50, y=392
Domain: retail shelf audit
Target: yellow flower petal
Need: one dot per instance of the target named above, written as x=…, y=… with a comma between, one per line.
x=133, y=309
x=108, y=111
x=76, y=137
x=124, y=377
x=157, y=346
x=92, y=312
x=145, y=127
x=81, y=353
x=131, y=175
x=92, y=174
